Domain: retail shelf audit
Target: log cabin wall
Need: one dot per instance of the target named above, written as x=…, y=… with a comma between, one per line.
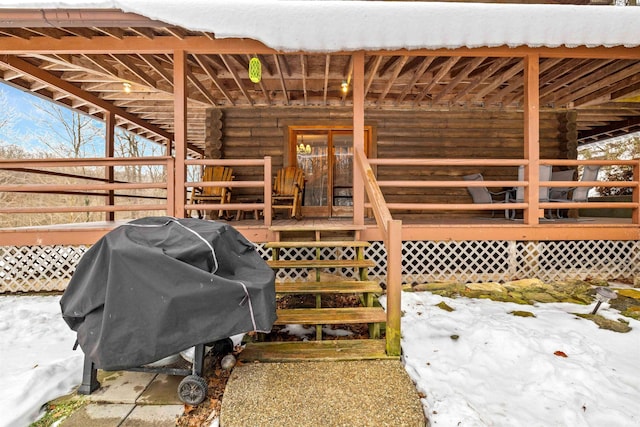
x=258, y=132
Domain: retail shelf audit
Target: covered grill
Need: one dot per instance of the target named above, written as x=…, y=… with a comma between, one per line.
x=159, y=285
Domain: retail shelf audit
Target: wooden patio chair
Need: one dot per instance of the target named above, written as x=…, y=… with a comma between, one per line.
x=220, y=194
x=287, y=191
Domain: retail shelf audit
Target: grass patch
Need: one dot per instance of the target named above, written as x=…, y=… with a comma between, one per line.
x=59, y=409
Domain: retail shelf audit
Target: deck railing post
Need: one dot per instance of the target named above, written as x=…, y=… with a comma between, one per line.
x=394, y=286
x=635, y=216
x=267, y=191
x=171, y=185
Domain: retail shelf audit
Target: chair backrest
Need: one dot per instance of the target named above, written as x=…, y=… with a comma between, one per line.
x=544, y=175
x=557, y=193
x=589, y=173
x=216, y=173
x=288, y=181
x=478, y=194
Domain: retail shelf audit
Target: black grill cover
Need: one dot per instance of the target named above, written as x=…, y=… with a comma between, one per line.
x=158, y=285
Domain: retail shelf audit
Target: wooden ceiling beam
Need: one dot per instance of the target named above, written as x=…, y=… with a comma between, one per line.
x=495, y=65
x=327, y=64
x=594, y=81
x=203, y=61
x=500, y=79
x=129, y=64
x=372, y=71
x=285, y=93
x=516, y=86
x=144, y=32
x=444, y=69
x=416, y=77
x=394, y=76
x=158, y=68
x=45, y=32
x=576, y=73
x=468, y=69
x=628, y=86
x=200, y=87
x=38, y=74
x=237, y=79
x=304, y=74
x=80, y=32
x=114, y=32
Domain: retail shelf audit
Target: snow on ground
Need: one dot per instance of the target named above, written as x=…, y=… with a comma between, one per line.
x=37, y=363
x=500, y=371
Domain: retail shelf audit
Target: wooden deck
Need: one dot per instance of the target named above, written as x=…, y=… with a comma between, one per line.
x=428, y=228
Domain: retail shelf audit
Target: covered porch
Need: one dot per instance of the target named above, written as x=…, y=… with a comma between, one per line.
x=492, y=110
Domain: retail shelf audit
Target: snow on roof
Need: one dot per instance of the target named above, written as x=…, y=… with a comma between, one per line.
x=331, y=26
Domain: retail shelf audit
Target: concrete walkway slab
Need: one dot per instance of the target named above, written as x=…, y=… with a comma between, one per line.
x=121, y=386
x=163, y=390
x=99, y=415
x=153, y=416
x=309, y=394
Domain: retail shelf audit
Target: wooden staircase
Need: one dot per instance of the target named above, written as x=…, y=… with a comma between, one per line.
x=367, y=312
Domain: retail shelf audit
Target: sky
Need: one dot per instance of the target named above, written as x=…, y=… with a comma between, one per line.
x=476, y=366
x=27, y=130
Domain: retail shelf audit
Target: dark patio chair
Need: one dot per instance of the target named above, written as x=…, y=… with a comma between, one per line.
x=482, y=195
x=578, y=194
x=544, y=175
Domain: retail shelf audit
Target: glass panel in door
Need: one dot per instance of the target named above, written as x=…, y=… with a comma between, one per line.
x=311, y=156
x=342, y=174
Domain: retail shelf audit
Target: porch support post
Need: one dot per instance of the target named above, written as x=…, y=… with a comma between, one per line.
x=532, y=136
x=394, y=286
x=180, y=130
x=109, y=151
x=358, y=134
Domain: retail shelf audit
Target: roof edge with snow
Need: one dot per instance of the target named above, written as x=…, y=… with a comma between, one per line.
x=333, y=26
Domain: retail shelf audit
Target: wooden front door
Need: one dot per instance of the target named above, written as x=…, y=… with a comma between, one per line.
x=326, y=157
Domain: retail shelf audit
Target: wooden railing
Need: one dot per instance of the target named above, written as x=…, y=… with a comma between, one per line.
x=634, y=205
x=264, y=184
x=392, y=231
x=533, y=185
x=103, y=187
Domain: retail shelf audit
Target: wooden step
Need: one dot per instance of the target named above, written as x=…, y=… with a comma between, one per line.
x=321, y=263
x=319, y=244
x=335, y=287
x=330, y=316
x=314, y=227
x=328, y=350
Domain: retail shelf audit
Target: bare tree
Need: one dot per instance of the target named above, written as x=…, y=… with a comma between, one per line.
x=623, y=148
x=68, y=133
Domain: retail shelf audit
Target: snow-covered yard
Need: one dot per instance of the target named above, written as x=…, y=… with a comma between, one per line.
x=478, y=365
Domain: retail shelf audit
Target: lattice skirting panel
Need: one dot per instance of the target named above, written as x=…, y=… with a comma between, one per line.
x=49, y=268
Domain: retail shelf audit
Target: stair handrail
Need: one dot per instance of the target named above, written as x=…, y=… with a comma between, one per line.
x=392, y=234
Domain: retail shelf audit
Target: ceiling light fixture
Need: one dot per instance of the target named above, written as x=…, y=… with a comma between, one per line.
x=345, y=87
x=126, y=87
